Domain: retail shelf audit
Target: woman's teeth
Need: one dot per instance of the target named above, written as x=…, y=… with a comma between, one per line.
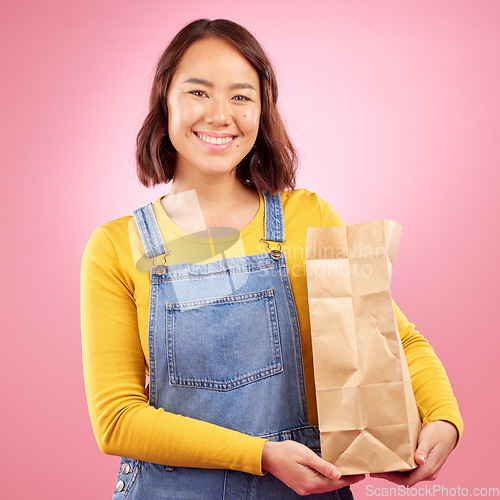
x=215, y=140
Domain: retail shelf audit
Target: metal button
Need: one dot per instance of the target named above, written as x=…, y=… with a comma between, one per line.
x=120, y=486
x=275, y=254
x=169, y=468
x=161, y=269
x=126, y=469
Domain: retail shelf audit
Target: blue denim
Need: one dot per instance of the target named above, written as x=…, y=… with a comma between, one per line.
x=224, y=347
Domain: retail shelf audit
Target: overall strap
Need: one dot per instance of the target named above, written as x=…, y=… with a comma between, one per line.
x=149, y=231
x=273, y=219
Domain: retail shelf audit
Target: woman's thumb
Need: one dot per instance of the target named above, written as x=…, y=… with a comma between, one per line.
x=426, y=442
x=326, y=468
x=421, y=454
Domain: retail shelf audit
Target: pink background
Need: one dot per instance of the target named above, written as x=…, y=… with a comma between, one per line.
x=394, y=106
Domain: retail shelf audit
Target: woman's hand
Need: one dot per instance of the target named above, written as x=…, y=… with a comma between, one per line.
x=435, y=442
x=301, y=469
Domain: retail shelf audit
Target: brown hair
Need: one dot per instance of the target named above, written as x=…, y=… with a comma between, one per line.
x=270, y=165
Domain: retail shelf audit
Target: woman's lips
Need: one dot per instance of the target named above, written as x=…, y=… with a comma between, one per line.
x=215, y=142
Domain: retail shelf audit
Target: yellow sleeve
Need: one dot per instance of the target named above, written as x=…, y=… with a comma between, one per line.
x=114, y=367
x=431, y=386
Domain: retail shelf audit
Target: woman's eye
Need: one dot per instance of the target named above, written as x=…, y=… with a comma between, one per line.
x=241, y=98
x=198, y=93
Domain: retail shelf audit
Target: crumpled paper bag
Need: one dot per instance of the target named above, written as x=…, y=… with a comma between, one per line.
x=368, y=417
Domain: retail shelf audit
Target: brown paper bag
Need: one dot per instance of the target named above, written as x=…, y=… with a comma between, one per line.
x=368, y=417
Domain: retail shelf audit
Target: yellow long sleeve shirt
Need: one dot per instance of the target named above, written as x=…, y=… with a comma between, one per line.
x=114, y=313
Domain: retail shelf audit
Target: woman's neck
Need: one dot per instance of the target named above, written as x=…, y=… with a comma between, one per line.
x=195, y=204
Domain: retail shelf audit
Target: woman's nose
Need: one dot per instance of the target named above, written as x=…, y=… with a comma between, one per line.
x=218, y=112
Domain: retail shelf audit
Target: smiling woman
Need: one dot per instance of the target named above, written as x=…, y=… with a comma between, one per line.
x=271, y=164
x=221, y=324
x=213, y=109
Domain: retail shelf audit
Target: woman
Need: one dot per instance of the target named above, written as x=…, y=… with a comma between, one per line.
x=221, y=323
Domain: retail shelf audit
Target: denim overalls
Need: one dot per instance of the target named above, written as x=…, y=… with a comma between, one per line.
x=224, y=347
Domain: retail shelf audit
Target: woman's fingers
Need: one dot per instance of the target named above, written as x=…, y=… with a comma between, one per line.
x=435, y=443
x=301, y=469
x=322, y=466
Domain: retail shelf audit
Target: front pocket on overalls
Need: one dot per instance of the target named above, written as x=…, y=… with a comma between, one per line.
x=224, y=342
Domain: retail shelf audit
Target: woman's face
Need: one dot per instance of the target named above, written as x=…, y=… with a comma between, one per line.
x=213, y=109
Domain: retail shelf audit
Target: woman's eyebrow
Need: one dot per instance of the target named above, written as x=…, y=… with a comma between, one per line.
x=200, y=81
x=234, y=86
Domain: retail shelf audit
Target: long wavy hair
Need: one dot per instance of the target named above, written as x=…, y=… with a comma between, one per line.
x=270, y=165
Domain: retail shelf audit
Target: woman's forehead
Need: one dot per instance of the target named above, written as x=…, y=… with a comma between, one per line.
x=216, y=61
